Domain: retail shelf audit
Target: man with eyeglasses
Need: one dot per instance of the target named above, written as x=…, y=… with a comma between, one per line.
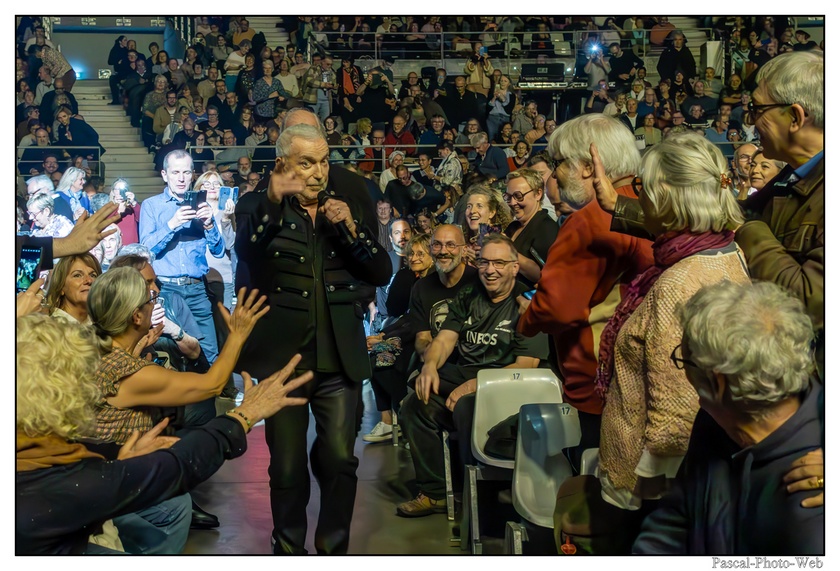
x=783, y=238
x=434, y=135
x=399, y=136
x=375, y=152
x=481, y=324
x=741, y=166
x=588, y=267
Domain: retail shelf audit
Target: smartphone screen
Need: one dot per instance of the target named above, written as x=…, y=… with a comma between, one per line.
x=529, y=294
x=224, y=195
x=29, y=267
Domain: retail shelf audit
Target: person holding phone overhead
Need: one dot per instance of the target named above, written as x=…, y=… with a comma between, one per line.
x=179, y=236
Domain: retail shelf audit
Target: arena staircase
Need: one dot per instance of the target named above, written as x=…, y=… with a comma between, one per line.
x=126, y=156
x=694, y=39
x=274, y=36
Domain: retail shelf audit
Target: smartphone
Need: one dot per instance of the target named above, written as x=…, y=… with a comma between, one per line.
x=29, y=267
x=227, y=192
x=482, y=51
x=529, y=294
x=160, y=358
x=193, y=198
x=483, y=230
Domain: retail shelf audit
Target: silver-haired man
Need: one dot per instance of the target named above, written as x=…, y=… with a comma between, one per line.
x=747, y=351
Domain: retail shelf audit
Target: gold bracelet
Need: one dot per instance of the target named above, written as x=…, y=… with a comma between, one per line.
x=242, y=416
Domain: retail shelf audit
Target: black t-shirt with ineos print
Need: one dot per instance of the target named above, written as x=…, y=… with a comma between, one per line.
x=487, y=336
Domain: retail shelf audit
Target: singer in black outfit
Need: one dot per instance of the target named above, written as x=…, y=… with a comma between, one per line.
x=309, y=243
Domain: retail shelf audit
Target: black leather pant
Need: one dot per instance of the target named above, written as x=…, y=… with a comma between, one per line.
x=333, y=399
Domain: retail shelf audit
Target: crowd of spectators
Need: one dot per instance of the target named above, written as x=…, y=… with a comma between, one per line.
x=614, y=222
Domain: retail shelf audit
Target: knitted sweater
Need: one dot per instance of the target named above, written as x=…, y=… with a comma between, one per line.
x=650, y=405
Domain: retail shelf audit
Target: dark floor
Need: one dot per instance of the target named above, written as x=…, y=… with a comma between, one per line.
x=238, y=495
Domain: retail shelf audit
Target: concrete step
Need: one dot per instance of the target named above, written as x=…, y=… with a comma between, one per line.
x=116, y=130
x=98, y=111
x=95, y=101
x=93, y=96
x=97, y=118
x=129, y=138
x=115, y=150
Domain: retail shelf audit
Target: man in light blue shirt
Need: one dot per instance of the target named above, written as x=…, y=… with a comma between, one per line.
x=178, y=236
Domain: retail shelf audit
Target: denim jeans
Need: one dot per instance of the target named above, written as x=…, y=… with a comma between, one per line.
x=321, y=108
x=195, y=295
x=161, y=529
x=494, y=123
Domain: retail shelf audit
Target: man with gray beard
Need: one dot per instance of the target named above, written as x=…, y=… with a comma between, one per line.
x=587, y=266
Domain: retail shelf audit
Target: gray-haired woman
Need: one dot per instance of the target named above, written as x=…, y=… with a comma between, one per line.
x=649, y=403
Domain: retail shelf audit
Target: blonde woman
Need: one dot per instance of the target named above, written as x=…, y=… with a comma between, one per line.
x=71, y=489
x=70, y=285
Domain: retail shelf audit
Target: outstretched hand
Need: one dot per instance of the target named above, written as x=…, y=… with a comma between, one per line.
x=249, y=309
x=87, y=232
x=271, y=394
x=604, y=190
x=140, y=445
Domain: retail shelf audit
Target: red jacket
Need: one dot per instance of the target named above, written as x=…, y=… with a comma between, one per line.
x=404, y=138
x=128, y=224
x=587, y=270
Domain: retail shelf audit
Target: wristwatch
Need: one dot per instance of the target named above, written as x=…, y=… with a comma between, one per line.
x=180, y=335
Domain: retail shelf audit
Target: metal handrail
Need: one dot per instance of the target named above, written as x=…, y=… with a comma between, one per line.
x=571, y=42
x=58, y=150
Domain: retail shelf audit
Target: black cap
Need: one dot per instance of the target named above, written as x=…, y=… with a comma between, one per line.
x=389, y=59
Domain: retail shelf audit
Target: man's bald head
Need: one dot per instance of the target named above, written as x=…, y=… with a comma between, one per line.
x=300, y=116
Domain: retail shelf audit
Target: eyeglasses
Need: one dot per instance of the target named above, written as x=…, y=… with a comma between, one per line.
x=678, y=361
x=450, y=246
x=153, y=299
x=483, y=263
x=518, y=196
x=420, y=254
x=755, y=111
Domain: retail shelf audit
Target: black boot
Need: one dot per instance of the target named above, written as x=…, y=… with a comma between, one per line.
x=201, y=519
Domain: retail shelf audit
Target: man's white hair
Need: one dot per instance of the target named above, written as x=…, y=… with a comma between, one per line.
x=41, y=181
x=682, y=181
x=757, y=335
x=300, y=131
x=797, y=77
x=478, y=139
x=616, y=144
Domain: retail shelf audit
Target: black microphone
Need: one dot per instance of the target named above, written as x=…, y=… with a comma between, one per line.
x=341, y=227
x=359, y=249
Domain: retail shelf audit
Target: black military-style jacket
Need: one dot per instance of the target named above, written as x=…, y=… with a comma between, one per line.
x=318, y=284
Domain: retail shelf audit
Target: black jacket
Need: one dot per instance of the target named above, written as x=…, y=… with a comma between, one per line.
x=731, y=501
x=295, y=262
x=57, y=508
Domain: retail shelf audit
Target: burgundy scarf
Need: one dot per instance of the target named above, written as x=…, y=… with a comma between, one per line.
x=668, y=249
